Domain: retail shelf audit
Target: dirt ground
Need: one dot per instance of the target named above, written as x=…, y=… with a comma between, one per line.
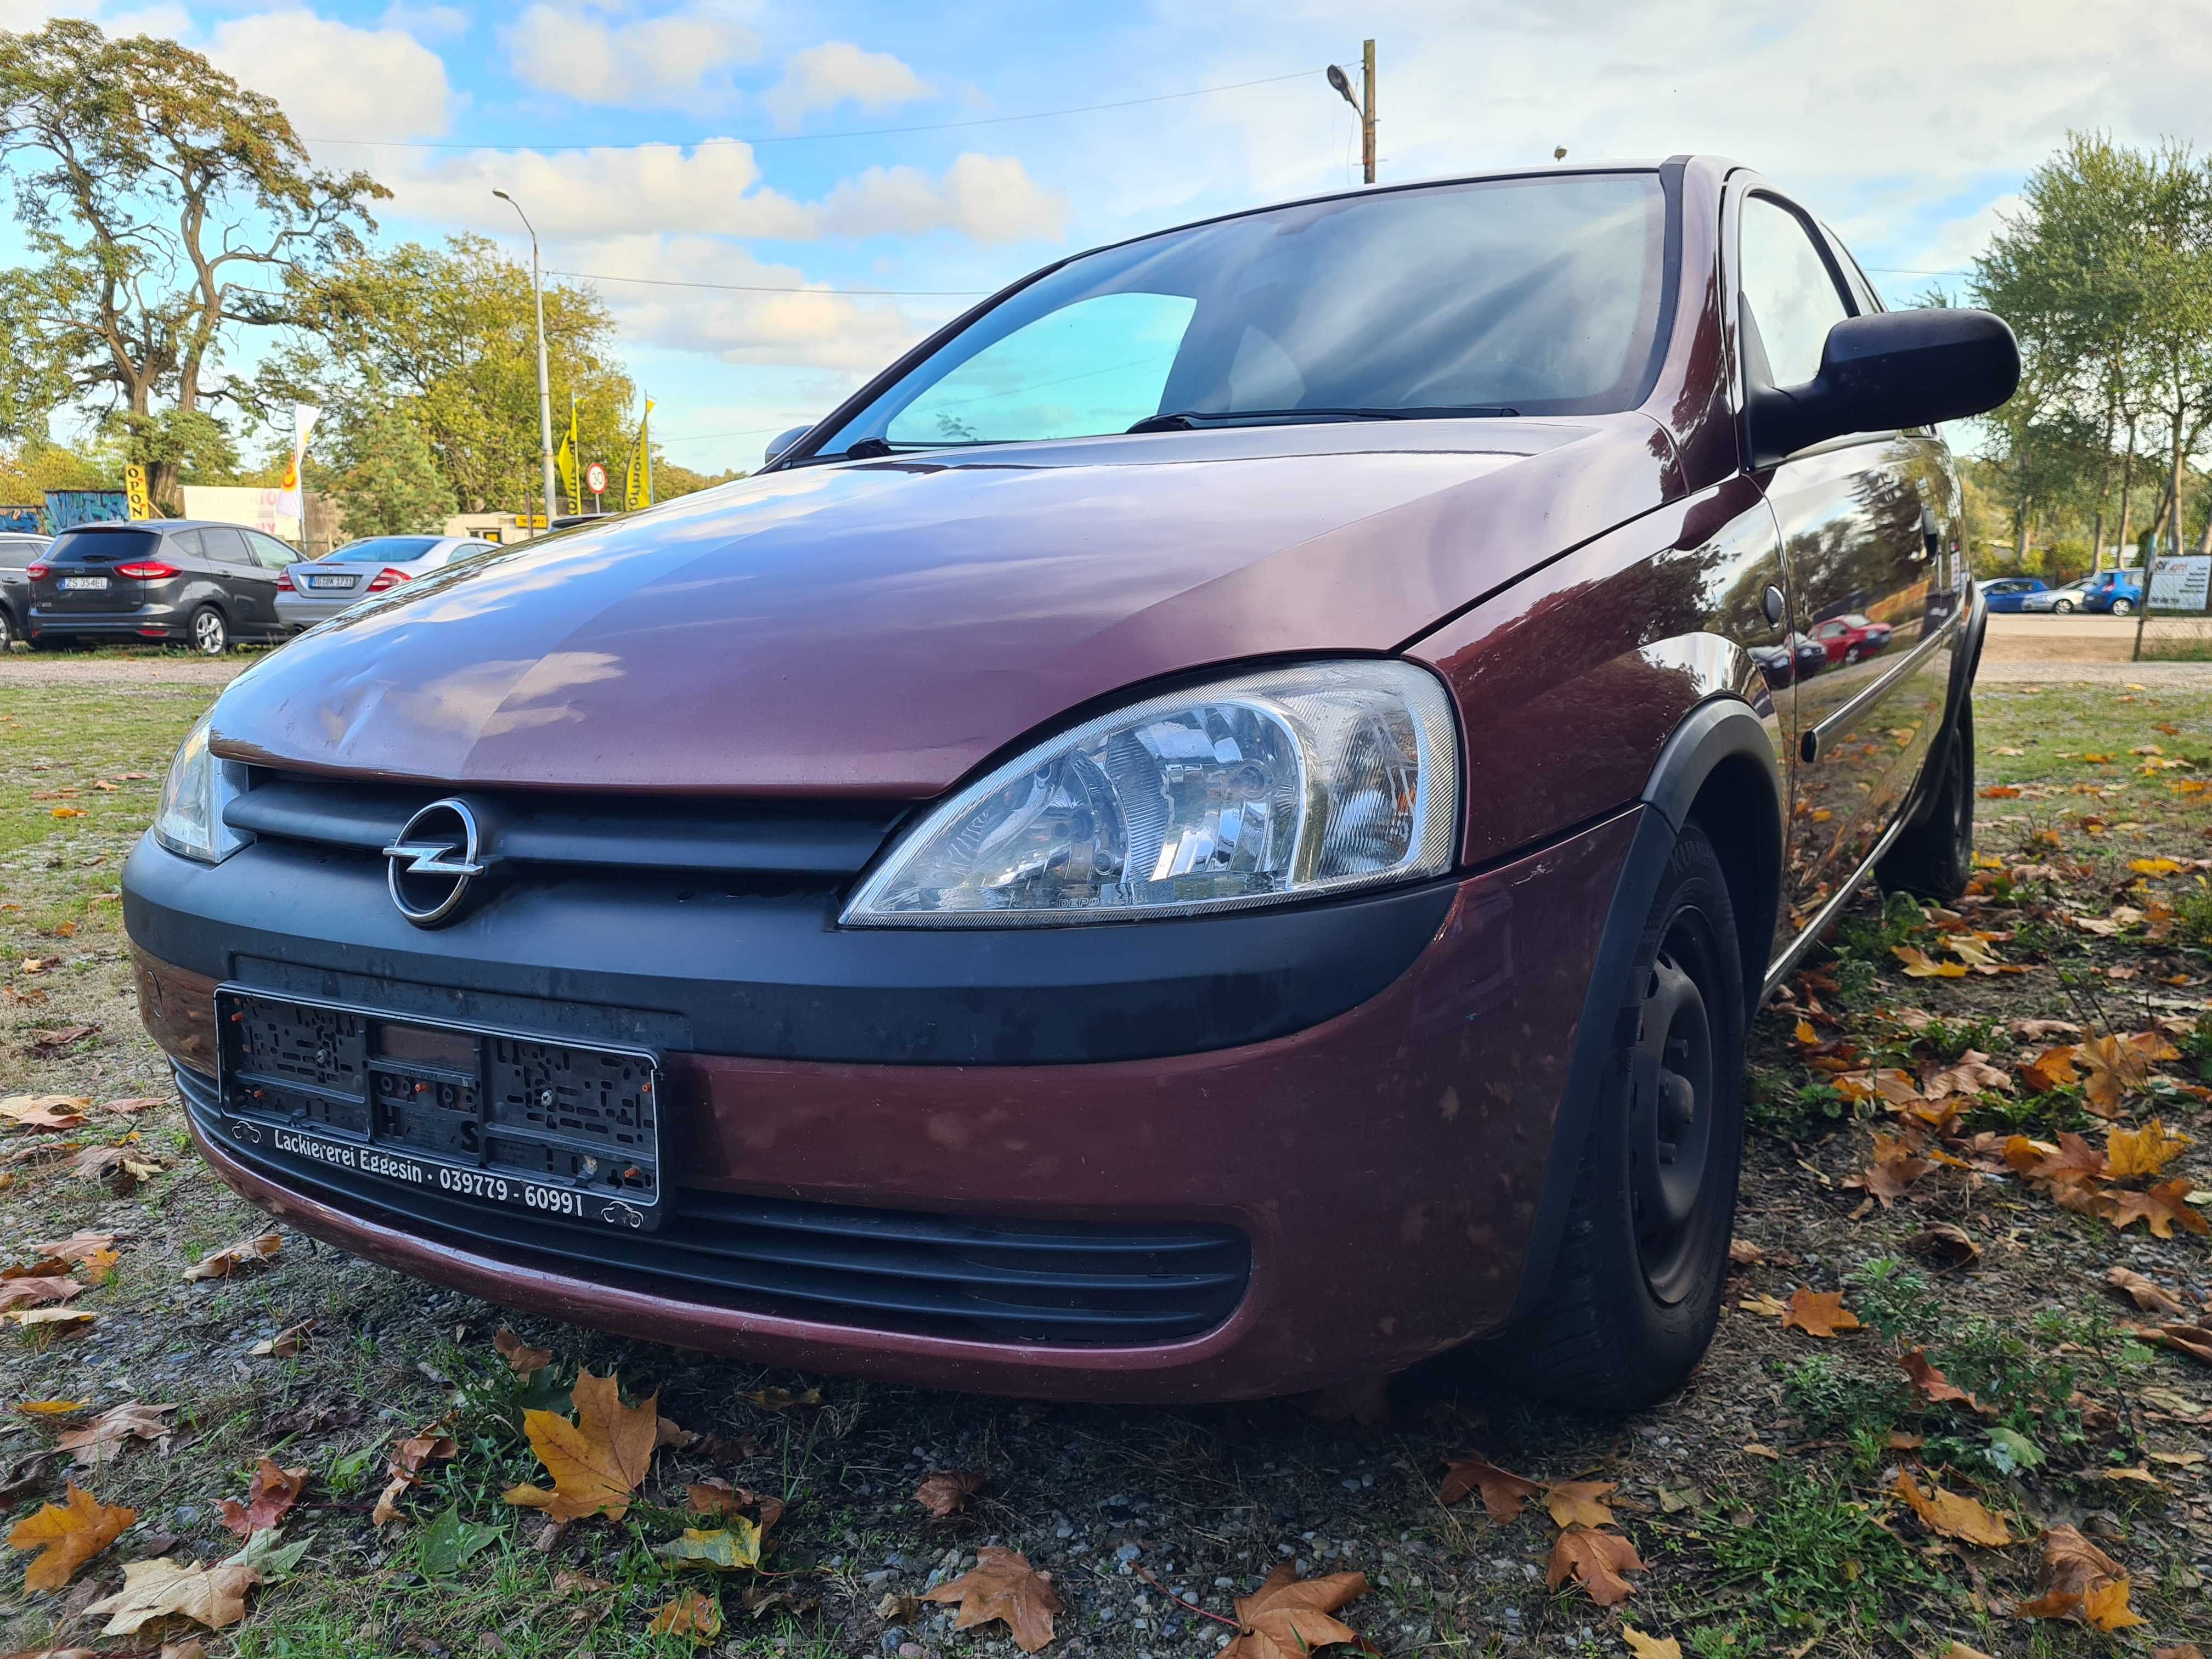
x=1763, y=1502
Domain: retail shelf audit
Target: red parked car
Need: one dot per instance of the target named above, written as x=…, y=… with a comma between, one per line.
x=1851, y=637
x=1214, y=829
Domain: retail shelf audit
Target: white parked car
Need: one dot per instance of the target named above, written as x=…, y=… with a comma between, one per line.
x=2063, y=601
x=310, y=592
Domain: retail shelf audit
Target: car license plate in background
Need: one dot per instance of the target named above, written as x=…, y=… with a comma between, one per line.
x=329, y=581
x=73, y=583
x=562, y=1131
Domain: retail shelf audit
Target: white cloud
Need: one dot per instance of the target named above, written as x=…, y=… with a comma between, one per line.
x=824, y=76
x=814, y=328
x=675, y=60
x=334, y=80
x=715, y=189
x=426, y=20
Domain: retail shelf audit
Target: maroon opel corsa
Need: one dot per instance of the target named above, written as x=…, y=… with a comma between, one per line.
x=1216, y=828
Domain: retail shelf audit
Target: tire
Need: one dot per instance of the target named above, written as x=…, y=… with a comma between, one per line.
x=7, y=630
x=210, y=633
x=1636, y=1290
x=1934, y=857
x=2123, y=607
x=2063, y=607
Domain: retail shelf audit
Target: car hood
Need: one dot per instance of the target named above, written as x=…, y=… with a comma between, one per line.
x=880, y=628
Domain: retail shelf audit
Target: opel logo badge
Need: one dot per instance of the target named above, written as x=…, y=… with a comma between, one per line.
x=430, y=867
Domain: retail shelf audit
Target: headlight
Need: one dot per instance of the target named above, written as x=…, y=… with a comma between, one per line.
x=194, y=795
x=1289, y=784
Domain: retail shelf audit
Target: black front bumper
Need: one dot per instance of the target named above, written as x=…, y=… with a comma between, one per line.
x=730, y=965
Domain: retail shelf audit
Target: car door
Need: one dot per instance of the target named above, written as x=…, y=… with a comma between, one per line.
x=251, y=586
x=1850, y=513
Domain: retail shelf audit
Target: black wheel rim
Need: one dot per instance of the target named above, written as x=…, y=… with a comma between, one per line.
x=1671, y=1108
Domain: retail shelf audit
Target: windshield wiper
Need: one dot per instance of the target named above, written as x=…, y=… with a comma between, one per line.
x=1190, y=420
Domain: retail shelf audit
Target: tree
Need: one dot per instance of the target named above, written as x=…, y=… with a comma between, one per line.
x=390, y=485
x=165, y=207
x=450, y=334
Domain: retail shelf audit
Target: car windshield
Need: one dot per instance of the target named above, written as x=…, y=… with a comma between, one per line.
x=393, y=549
x=1521, y=295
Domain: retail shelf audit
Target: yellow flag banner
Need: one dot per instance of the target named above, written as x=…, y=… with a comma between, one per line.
x=637, y=490
x=564, y=462
x=134, y=491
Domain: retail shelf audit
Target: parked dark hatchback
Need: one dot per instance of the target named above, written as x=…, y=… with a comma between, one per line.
x=17, y=550
x=1215, y=830
x=204, y=584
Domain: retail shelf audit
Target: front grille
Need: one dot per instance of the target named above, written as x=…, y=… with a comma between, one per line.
x=806, y=839
x=940, y=1275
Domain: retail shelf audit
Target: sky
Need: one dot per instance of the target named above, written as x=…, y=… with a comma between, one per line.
x=878, y=167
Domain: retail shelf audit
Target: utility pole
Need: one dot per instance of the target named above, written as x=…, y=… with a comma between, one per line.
x=1363, y=107
x=544, y=382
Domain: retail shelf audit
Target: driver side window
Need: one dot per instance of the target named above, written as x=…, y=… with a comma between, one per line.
x=1788, y=291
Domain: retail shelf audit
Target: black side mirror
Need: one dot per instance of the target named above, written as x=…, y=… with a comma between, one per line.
x=781, y=444
x=1893, y=368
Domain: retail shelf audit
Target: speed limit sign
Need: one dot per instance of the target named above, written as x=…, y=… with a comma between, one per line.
x=595, y=478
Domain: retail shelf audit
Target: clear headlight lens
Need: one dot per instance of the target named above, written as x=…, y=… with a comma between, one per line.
x=1287, y=784
x=194, y=795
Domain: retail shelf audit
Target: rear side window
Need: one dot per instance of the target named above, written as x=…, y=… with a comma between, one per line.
x=225, y=545
x=393, y=549
x=102, y=546
x=273, y=554
x=1788, y=290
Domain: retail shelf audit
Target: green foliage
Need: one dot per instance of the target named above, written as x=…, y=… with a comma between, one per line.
x=1895, y=1302
x=2193, y=919
x=390, y=485
x=165, y=207
x=1831, y=1400
x=1777, y=1104
x=1818, y=1557
x=447, y=337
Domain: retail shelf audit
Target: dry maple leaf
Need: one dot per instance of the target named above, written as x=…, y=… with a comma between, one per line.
x=2050, y=1071
x=78, y=1247
x=1919, y=965
x=121, y=1167
x=1952, y=1514
x=427, y=1445
x=28, y=1292
x=947, y=1490
x=2146, y=1293
x=2077, y=1580
x=50, y=1407
x=1580, y=1502
x=67, y=1534
x=2140, y=1152
x=596, y=1461
x=214, y=1596
x=1895, y=1167
x=714, y=1496
x=1650, y=1647
x=107, y=1434
x=1945, y=1245
x=1596, y=1560
x=1818, y=1313
x=274, y=1491
x=1003, y=1586
x=2118, y=1066
x=130, y=1106
x=2195, y=1341
x=1504, y=1494
x=1930, y=1385
x=45, y=1111
x=1289, y=1617
x=2165, y=1207
x=288, y=1343
x=522, y=1359
x=691, y=1616
x=234, y=1259
x=54, y=1321
x=1972, y=1074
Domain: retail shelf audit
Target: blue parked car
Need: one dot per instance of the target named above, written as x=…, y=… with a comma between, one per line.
x=2116, y=592
x=2008, y=593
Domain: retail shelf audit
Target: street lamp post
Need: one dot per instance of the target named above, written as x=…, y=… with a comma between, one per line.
x=544, y=384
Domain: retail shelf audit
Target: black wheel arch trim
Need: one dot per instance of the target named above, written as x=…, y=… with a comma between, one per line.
x=1965, y=663
x=1722, y=730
